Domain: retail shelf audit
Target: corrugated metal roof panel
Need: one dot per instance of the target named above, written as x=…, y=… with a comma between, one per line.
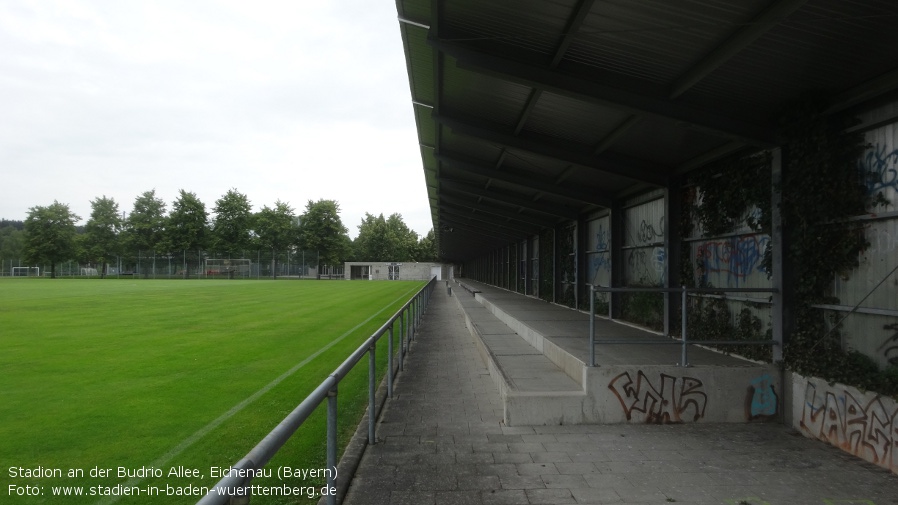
x=415, y=10
x=656, y=40
x=420, y=57
x=659, y=141
x=535, y=27
x=481, y=96
x=823, y=47
x=526, y=163
x=572, y=119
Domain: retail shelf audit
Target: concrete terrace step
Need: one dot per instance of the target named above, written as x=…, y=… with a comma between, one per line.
x=633, y=383
x=533, y=389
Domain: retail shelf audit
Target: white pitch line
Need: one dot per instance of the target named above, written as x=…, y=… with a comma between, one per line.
x=200, y=433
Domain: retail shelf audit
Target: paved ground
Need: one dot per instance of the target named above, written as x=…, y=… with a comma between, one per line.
x=441, y=441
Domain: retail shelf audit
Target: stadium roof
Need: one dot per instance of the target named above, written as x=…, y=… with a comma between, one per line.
x=530, y=113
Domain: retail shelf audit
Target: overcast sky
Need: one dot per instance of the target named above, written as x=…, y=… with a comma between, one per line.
x=282, y=100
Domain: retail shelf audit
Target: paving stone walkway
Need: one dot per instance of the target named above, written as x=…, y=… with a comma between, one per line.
x=441, y=441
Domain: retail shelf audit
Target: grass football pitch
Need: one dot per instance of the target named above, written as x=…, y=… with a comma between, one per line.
x=129, y=390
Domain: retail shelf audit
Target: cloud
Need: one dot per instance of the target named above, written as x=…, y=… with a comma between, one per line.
x=290, y=101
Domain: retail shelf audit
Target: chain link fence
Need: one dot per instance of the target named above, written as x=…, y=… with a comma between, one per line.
x=202, y=264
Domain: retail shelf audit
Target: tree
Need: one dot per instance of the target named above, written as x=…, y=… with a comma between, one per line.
x=322, y=230
x=12, y=244
x=385, y=240
x=101, y=238
x=372, y=242
x=276, y=229
x=145, y=226
x=188, y=224
x=50, y=235
x=427, y=248
x=405, y=239
x=233, y=223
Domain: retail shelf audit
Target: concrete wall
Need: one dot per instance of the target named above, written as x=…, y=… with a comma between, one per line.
x=408, y=271
x=864, y=424
x=670, y=394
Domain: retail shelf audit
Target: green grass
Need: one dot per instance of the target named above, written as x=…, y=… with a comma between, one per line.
x=120, y=373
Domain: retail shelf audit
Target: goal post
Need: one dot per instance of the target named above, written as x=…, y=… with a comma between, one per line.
x=25, y=272
x=231, y=268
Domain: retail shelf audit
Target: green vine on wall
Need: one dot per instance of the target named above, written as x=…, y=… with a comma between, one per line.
x=821, y=189
x=727, y=199
x=567, y=267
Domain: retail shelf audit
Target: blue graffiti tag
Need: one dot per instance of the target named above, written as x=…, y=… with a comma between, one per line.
x=880, y=169
x=598, y=264
x=601, y=239
x=763, y=397
x=737, y=257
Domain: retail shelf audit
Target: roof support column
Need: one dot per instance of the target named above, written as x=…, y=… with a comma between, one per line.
x=781, y=276
x=673, y=203
x=617, y=256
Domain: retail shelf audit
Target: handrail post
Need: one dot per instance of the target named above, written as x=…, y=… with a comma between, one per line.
x=372, y=365
x=246, y=488
x=331, y=442
x=592, y=325
x=684, y=359
x=402, y=340
x=390, y=364
x=409, y=324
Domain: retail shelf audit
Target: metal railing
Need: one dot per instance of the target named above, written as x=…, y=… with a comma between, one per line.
x=684, y=342
x=235, y=488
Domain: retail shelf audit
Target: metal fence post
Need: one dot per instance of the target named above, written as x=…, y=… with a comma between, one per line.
x=402, y=340
x=592, y=325
x=684, y=359
x=331, y=442
x=411, y=326
x=372, y=365
x=245, y=498
x=390, y=364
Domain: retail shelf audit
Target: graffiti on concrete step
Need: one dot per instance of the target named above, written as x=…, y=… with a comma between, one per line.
x=867, y=428
x=675, y=400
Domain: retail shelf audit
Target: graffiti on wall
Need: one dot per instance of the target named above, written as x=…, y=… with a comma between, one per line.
x=889, y=348
x=599, y=263
x=646, y=266
x=675, y=400
x=762, y=399
x=601, y=239
x=735, y=258
x=867, y=429
x=880, y=169
x=650, y=233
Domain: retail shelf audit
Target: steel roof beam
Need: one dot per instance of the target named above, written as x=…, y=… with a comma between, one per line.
x=532, y=182
x=456, y=221
x=868, y=90
x=549, y=147
x=493, y=221
x=497, y=211
x=757, y=27
x=570, y=31
x=593, y=91
x=552, y=210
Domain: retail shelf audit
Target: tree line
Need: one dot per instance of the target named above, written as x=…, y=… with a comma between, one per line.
x=49, y=234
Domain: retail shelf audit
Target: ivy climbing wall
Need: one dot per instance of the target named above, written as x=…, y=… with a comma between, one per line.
x=872, y=287
x=723, y=246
